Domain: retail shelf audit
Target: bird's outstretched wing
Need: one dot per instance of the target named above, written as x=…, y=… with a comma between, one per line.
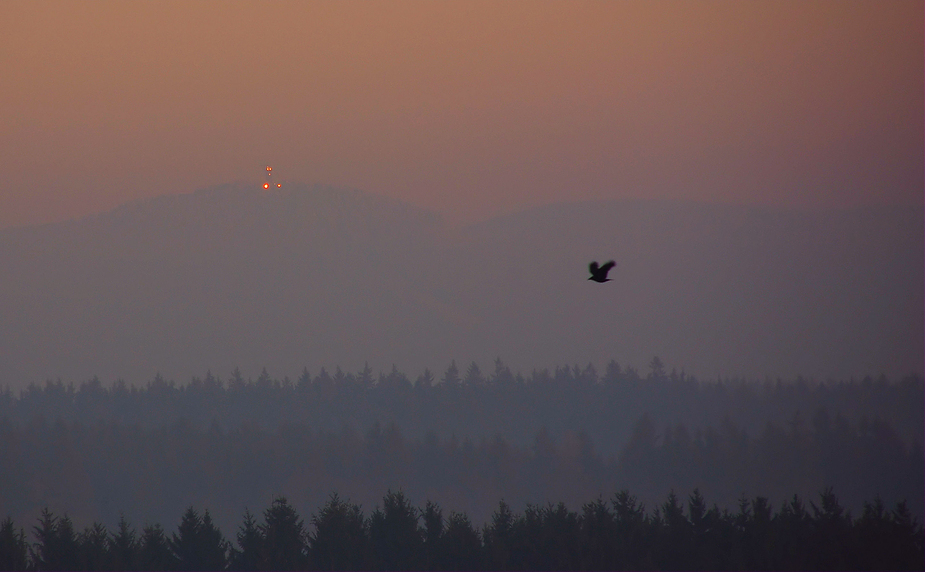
x=606, y=267
x=593, y=267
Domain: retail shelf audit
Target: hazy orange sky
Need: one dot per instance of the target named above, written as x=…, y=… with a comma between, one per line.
x=470, y=108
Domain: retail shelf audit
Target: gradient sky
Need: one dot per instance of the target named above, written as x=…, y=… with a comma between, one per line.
x=470, y=108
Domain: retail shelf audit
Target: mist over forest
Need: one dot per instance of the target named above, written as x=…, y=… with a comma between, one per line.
x=464, y=439
x=229, y=347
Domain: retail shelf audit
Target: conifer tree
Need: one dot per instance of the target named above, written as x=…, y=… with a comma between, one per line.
x=94, y=549
x=339, y=541
x=14, y=550
x=284, y=537
x=433, y=530
x=395, y=539
x=154, y=550
x=57, y=547
x=461, y=547
x=247, y=555
x=123, y=547
x=498, y=538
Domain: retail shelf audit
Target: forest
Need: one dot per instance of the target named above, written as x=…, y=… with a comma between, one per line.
x=89, y=455
x=614, y=534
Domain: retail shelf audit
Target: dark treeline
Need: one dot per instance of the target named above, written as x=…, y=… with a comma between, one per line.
x=464, y=440
x=619, y=534
x=95, y=471
x=468, y=402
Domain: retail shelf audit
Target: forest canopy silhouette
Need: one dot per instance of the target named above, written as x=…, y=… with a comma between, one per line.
x=614, y=534
x=463, y=439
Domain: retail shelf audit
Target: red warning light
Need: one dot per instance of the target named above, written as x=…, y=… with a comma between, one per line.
x=269, y=177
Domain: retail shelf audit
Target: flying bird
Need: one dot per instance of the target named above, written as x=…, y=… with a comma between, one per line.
x=599, y=273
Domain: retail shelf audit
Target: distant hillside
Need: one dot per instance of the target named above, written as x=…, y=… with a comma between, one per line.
x=225, y=276
x=319, y=276
x=717, y=289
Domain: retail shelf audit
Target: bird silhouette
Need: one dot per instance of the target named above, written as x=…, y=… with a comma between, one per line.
x=599, y=273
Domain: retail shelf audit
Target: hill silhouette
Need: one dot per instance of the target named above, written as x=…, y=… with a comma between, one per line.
x=314, y=276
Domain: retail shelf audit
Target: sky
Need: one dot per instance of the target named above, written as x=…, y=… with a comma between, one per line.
x=472, y=109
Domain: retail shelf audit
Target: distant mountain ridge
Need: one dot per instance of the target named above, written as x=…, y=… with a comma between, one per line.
x=318, y=276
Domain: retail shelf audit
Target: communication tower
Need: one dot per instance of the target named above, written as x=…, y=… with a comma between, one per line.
x=268, y=180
